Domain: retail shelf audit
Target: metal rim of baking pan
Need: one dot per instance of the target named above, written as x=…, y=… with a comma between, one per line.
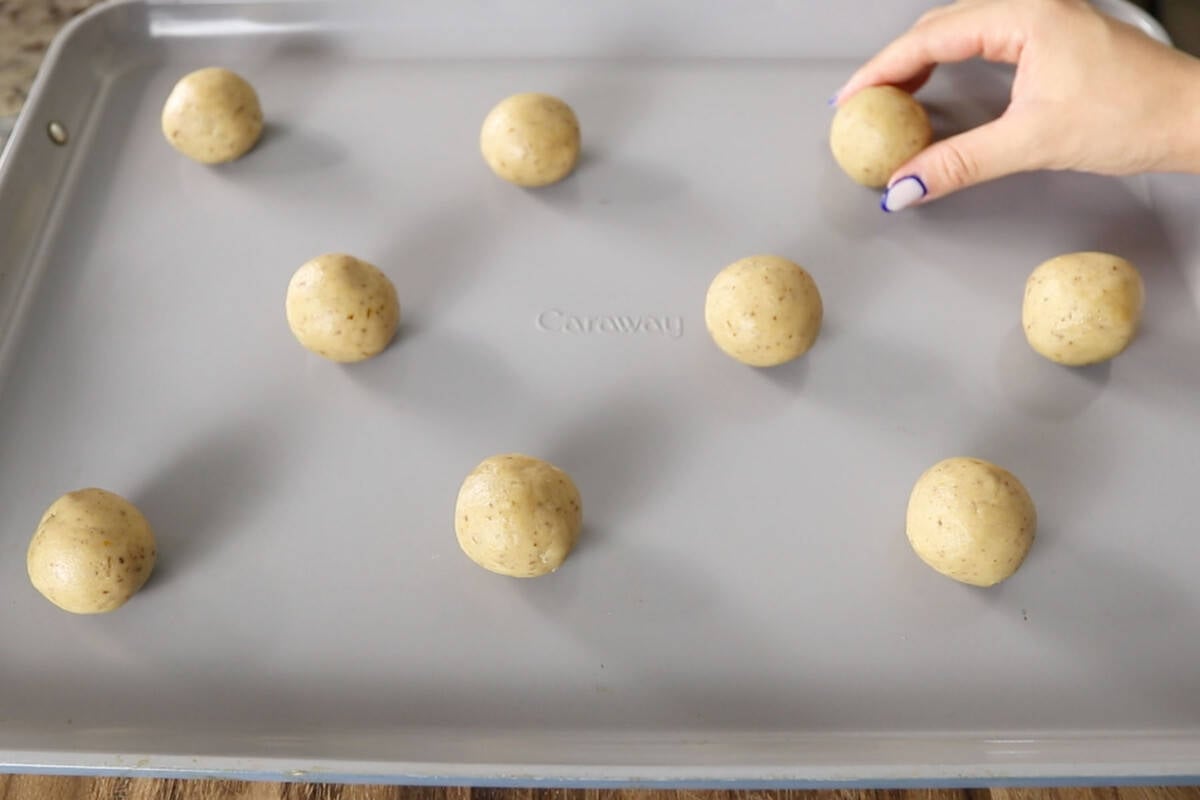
x=1059, y=764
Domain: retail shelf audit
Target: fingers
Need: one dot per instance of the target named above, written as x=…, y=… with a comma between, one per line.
x=990, y=151
x=948, y=34
x=913, y=84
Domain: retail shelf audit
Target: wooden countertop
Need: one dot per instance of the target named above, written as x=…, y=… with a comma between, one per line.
x=27, y=787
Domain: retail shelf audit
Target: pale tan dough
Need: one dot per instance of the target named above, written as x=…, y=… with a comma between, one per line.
x=91, y=552
x=531, y=139
x=342, y=308
x=971, y=520
x=212, y=116
x=763, y=310
x=1082, y=308
x=876, y=131
x=518, y=515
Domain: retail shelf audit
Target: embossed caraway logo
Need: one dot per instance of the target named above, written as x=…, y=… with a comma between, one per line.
x=555, y=320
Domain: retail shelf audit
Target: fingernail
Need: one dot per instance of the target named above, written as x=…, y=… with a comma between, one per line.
x=903, y=193
x=832, y=99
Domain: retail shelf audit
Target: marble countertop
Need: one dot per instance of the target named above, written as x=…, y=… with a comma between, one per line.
x=26, y=28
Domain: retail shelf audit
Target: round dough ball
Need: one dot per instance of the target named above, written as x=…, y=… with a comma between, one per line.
x=876, y=131
x=763, y=310
x=91, y=552
x=971, y=521
x=1082, y=308
x=342, y=308
x=531, y=139
x=518, y=516
x=212, y=116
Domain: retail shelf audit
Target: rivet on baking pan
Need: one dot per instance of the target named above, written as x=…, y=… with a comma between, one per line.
x=57, y=133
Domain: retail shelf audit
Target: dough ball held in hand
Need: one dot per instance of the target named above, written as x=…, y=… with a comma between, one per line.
x=1082, y=308
x=531, y=139
x=518, y=516
x=91, y=552
x=763, y=310
x=876, y=131
x=342, y=308
x=971, y=521
x=212, y=116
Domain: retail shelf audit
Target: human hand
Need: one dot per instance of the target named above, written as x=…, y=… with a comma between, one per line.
x=1090, y=94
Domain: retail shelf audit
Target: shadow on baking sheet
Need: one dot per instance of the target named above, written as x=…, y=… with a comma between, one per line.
x=616, y=451
x=1040, y=387
x=611, y=98
x=287, y=149
x=440, y=376
x=614, y=186
x=433, y=258
x=190, y=500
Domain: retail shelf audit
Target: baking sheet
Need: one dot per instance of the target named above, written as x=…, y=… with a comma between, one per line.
x=743, y=604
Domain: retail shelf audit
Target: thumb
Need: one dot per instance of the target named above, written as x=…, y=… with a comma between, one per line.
x=985, y=153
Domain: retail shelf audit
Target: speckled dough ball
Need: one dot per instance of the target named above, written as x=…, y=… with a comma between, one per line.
x=91, y=552
x=1082, y=308
x=971, y=521
x=876, y=131
x=212, y=116
x=763, y=310
x=342, y=308
x=531, y=139
x=518, y=516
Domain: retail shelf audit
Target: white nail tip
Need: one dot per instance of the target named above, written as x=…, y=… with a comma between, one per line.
x=903, y=193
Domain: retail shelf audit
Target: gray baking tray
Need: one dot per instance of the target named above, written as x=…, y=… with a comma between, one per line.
x=743, y=605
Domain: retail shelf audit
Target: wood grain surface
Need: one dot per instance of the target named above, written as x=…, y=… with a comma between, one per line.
x=29, y=787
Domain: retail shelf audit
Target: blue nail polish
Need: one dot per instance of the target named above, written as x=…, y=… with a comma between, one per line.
x=903, y=193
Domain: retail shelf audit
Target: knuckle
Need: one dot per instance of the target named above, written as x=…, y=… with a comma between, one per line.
x=959, y=168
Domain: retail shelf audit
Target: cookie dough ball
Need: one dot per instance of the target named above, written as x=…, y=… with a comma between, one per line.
x=212, y=116
x=91, y=552
x=518, y=516
x=531, y=139
x=971, y=521
x=1082, y=308
x=342, y=308
x=763, y=310
x=876, y=131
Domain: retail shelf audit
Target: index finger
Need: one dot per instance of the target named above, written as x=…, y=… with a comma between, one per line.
x=948, y=34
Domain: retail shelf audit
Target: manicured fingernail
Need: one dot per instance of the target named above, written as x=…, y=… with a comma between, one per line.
x=832, y=99
x=903, y=193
